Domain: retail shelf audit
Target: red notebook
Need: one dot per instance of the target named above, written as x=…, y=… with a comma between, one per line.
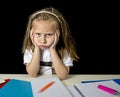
x=2, y=84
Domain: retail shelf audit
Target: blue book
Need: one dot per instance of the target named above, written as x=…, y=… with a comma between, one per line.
x=16, y=88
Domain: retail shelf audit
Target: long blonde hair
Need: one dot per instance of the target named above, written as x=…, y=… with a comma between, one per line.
x=66, y=43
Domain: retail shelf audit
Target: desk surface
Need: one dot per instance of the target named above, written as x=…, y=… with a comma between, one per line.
x=72, y=79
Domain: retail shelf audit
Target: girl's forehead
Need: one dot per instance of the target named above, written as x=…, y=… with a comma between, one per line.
x=38, y=22
x=43, y=26
x=49, y=23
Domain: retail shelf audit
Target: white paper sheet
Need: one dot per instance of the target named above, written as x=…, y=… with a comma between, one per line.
x=2, y=80
x=56, y=90
x=73, y=91
x=91, y=89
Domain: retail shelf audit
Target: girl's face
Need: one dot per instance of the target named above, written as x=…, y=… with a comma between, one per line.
x=43, y=33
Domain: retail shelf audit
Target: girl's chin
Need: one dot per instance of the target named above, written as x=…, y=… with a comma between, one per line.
x=42, y=48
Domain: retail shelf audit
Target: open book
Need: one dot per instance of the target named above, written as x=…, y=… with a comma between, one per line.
x=55, y=90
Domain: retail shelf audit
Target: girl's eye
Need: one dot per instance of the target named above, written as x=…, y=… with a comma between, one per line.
x=37, y=34
x=49, y=35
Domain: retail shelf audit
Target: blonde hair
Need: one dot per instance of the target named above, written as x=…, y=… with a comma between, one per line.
x=66, y=43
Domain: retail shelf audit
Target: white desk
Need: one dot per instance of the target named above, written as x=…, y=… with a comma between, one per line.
x=72, y=79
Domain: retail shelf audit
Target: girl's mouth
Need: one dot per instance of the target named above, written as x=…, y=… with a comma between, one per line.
x=43, y=47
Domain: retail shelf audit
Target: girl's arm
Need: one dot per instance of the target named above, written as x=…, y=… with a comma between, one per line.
x=33, y=67
x=61, y=70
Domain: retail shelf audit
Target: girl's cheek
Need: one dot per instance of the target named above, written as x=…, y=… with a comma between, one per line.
x=51, y=42
x=36, y=40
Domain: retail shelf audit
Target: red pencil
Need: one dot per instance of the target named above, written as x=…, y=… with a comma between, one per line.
x=46, y=86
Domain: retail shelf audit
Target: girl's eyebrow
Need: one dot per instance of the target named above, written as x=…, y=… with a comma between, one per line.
x=44, y=33
x=37, y=32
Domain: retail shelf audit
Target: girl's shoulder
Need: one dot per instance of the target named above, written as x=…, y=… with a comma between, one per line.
x=28, y=51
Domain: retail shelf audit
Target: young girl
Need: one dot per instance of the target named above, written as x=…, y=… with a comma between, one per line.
x=48, y=46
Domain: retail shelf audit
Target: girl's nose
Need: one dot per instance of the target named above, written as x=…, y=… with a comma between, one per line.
x=43, y=40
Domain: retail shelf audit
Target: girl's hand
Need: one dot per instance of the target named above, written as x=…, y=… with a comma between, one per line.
x=57, y=34
x=32, y=39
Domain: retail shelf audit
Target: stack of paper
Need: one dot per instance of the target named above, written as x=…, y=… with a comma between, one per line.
x=53, y=87
x=57, y=89
x=21, y=88
x=90, y=89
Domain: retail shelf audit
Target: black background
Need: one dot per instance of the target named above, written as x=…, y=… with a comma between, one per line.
x=94, y=26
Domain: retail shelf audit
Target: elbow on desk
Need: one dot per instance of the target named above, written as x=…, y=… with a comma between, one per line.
x=63, y=77
x=33, y=75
